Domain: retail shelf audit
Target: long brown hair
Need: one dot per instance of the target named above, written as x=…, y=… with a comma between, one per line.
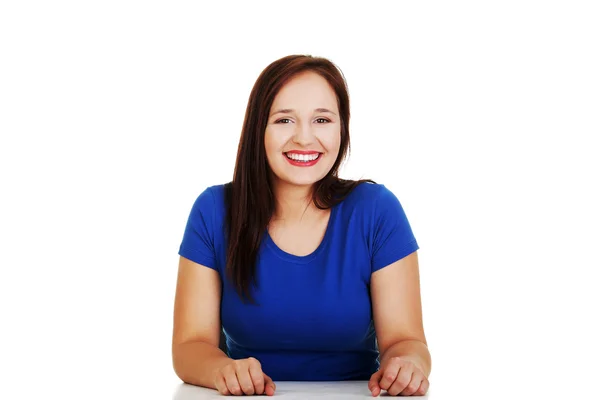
x=249, y=197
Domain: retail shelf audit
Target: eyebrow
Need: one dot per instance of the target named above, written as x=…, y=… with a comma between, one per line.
x=289, y=110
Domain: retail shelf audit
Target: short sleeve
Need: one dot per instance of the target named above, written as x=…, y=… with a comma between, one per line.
x=393, y=236
x=198, y=238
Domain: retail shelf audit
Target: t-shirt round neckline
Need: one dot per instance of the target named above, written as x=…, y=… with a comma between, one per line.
x=309, y=257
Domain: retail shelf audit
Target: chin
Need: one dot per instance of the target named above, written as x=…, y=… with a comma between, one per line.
x=301, y=182
x=297, y=181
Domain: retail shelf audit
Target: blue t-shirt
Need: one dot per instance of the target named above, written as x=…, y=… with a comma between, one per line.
x=313, y=320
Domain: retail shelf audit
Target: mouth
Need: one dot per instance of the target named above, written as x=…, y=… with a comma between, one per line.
x=303, y=159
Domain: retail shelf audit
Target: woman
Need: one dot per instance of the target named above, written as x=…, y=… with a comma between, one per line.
x=311, y=277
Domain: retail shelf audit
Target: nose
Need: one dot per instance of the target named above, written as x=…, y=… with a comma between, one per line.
x=303, y=135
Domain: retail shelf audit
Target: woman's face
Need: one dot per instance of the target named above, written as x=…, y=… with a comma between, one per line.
x=303, y=133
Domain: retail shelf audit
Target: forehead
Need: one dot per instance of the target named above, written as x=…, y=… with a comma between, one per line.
x=309, y=89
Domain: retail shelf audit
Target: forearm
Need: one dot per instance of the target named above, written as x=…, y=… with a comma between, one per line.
x=412, y=350
x=196, y=363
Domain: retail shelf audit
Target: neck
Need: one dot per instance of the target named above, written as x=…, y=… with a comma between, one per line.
x=292, y=202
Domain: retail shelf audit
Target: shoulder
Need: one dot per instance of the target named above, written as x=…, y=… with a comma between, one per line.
x=374, y=204
x=211, y=201
x=212, y=195
x=369, y=195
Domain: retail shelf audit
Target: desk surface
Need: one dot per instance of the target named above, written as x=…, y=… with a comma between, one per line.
x=347, y=390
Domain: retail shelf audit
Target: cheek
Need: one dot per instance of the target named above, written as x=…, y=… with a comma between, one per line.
x=272, y=148
x=332, y=142
x=269, y=143
x=274, y=140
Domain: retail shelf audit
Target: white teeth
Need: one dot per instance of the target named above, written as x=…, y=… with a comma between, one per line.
x=302, y=157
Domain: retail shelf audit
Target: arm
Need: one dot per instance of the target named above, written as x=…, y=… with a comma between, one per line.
x=397, y=314
x=197, y=325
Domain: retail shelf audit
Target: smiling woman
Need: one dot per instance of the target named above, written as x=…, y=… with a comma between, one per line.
x=309, y=137
x=309, y=276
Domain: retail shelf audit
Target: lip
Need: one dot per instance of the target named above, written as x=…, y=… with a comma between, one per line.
x=302, y=163
x=302, y=152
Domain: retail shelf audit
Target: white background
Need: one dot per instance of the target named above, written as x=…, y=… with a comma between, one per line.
x=482, y=118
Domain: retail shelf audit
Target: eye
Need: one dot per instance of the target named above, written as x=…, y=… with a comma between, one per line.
x=282, y=119
x=324, y=119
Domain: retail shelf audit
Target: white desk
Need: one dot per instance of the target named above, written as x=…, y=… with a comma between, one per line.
x=293, y=390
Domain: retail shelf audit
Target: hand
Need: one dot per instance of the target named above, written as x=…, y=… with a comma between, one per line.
x=399, y=377
x=243, y=376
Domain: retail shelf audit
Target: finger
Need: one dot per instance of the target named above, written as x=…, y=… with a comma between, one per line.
x=257, y=377
x=374, y=383
x=221, y=385
x=232, y=382
x=269, y=385
x=422, y=390
x=243, y=377
x=413, y=385
x=402, y=380
x=388, y=376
